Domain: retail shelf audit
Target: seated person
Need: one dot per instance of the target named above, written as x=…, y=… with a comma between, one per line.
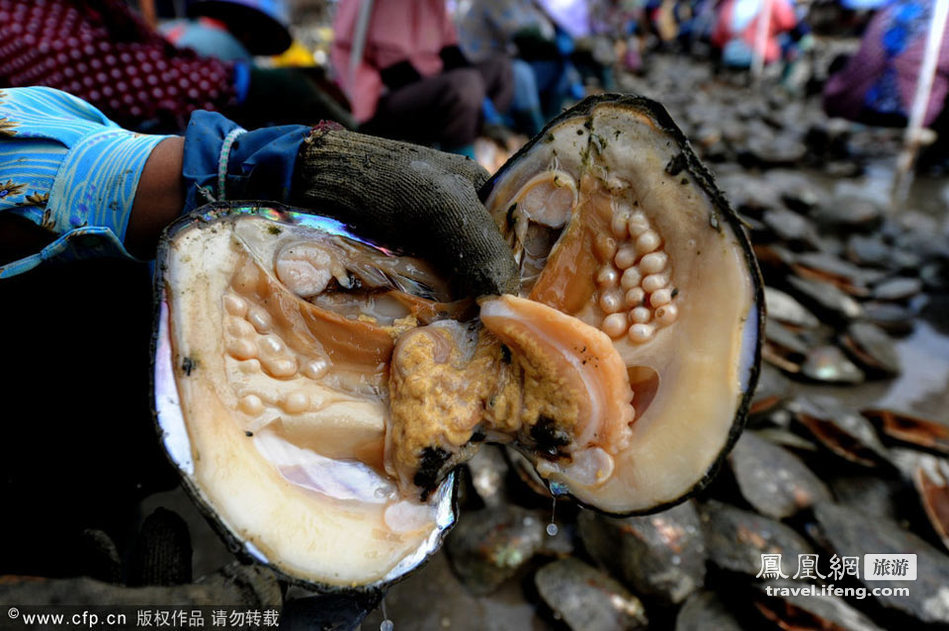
x=411, y=80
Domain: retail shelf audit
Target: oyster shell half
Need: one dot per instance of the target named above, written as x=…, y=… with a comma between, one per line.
x=625, y=369
x=615, y=222
x=273, y=341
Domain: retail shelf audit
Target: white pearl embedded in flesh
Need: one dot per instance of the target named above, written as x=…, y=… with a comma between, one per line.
x=608, y=276
x=654, y=282
x=653, y=262
x=638, y=224
x=241, y=349
x=619, y=224
x=660, y=297
x=280, y=367
x=295, y=402
x=270, y=345
x=639, y=333
x=631, y=278
x=261, y=320
x=634, y=297
x=667, y=314
x=614, y=325
x=235, y=305
x=604, y=248
x=640, y=315
x=611, y=301
x=251, y=405
x=647, y=242
x=316, y=368
x=238, y=327
x=625, y=256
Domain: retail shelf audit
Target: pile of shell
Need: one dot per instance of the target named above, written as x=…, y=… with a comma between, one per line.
x=826, y=483
x=811, y=476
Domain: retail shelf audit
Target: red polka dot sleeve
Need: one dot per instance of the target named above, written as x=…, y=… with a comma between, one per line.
x=101, y=52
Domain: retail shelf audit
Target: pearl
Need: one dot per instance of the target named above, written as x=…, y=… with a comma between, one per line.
x=611, y=301
x=639, y=333
x=655, y=281
x=235, y=305
x=667, y=314
x=660, y=297
x=625, y=257
x=638, y=224
x=635, y=297
x=648, y=241
x=653, y=262
x=608, y=276
x=251, y=405
x=614, y=325
x=640, y=315
x=620, y=223
x=631, y=278
x=296, y=402
x=604, y=248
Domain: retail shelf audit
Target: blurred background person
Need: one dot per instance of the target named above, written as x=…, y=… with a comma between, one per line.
x=411, y=81
x=102, y=52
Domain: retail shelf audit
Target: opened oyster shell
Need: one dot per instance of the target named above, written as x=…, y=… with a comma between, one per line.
x=274, y=336
x=615, y=223
x=317, y=390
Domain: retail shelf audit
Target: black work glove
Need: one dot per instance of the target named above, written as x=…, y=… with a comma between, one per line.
x=399, y=75
x=452, y=58
x=418, y=198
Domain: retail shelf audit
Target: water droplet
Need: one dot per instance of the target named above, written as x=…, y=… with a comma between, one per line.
x=386, y=625
x=552, y=529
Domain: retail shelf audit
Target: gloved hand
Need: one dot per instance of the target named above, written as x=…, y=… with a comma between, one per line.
x=418, y=199
x=426, y=197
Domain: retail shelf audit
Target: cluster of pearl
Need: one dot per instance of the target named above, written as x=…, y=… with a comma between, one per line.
x=250, y=338
x=633, y=278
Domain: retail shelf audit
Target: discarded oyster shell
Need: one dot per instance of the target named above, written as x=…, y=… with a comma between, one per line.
x=659, y=556
x=852, y=534
x=828, y=364
x=491, y=546
x=272, y=405
x=736, y=539
x=842, y=431
x=818, y=611
x=588, y=600
x=644, y=248
x=704, y=610
x=910, y=429
x=772, y=479
x=872, y=348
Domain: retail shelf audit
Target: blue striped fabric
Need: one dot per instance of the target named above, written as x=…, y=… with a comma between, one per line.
x=66, y=167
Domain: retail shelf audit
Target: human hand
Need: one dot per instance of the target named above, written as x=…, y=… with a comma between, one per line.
x=413, y=197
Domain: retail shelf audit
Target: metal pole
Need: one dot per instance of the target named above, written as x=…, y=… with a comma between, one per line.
x=359, y=40
x=761, y=40
x=913, y=138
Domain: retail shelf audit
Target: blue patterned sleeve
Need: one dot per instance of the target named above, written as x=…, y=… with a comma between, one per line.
x=69, y=169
